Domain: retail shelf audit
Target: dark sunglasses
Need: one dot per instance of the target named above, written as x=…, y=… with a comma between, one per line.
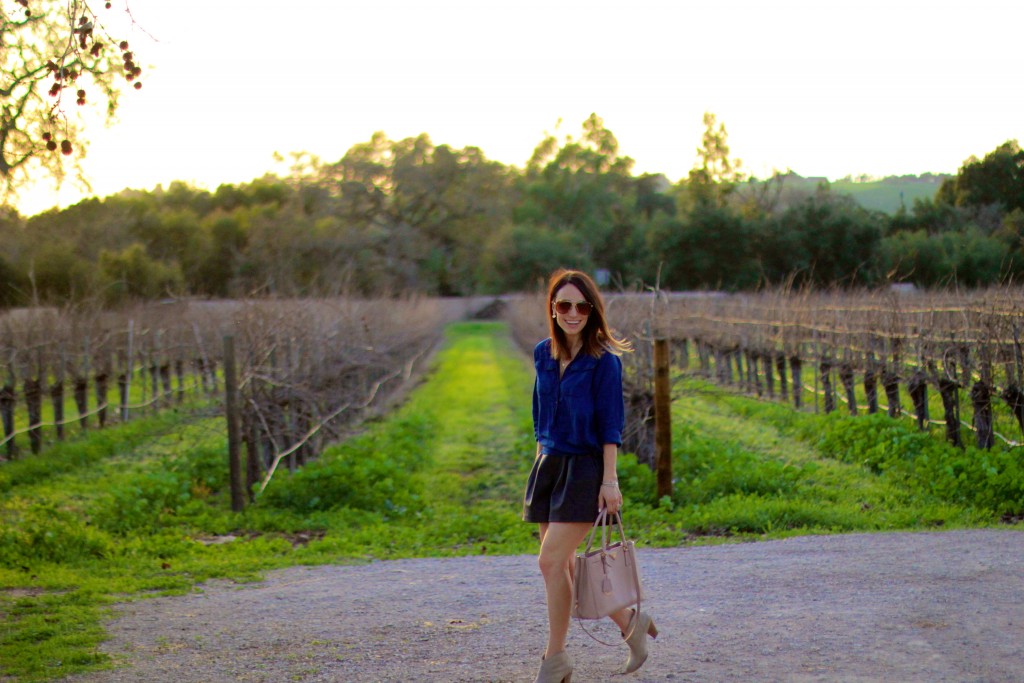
x=582, y=307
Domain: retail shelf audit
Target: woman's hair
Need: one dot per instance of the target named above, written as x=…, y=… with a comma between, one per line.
x=597, y=337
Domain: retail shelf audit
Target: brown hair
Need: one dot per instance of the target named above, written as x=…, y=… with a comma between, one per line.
x=597, y=337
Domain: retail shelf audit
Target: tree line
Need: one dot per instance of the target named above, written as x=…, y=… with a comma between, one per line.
x=398, y=216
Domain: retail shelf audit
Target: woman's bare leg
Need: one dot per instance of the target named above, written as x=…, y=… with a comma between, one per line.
x=621, y=619
x=557, y=549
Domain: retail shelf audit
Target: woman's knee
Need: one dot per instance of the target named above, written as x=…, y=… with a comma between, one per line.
x=552, y=564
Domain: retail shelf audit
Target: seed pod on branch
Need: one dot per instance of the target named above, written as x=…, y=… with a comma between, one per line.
x=65, y=38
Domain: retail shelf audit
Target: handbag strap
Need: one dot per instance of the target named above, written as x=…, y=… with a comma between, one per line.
x=602, y=516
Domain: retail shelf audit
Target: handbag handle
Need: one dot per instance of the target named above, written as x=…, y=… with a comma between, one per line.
x=603, y=521
x=602, y=516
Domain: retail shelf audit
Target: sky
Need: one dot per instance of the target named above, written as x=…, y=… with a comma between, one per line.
x=823, y=88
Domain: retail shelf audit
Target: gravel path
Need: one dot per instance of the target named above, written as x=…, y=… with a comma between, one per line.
x=906, y=607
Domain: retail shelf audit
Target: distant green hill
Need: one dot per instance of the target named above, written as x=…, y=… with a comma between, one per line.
x=884, y=194
x=888, y=194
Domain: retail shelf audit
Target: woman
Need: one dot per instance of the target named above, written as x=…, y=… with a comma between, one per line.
x=578, y=421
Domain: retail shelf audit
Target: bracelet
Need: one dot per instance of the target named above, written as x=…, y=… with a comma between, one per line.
x=610, y=483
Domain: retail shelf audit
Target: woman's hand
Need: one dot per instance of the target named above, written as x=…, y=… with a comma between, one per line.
x=610, y=497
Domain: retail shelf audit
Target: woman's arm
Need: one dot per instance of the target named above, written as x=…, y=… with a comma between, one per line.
x=610, y=496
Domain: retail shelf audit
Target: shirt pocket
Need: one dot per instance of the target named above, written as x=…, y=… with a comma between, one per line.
x=547, y=379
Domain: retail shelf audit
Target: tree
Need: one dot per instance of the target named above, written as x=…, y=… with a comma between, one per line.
x=57, y=274
x=996, y=179
x=716, y=174
x=825, y=240
x=710, y=246
x=650, y=196
x=584, y=188
x=132, y=274
x=917, y=257
x=13, y=285
x=520, y=257
x=54, y=55
x=966, y=258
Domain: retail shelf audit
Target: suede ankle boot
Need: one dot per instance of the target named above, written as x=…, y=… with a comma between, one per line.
x=640, y=626
x=555, y=669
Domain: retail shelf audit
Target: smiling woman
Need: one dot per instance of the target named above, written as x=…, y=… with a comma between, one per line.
x=578, y=417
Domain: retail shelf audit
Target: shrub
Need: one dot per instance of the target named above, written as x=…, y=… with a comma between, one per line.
x=373, y=473
x=990, y=479
x=706, y=469
x=48, y=534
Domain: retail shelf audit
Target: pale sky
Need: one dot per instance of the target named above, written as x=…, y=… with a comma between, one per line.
x=820, y=87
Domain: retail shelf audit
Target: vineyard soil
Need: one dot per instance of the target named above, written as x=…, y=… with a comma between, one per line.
x=927, y=607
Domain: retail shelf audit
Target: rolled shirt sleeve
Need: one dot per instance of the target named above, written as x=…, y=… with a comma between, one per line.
x=609, y=408
x=540, y=351
x=536, y=411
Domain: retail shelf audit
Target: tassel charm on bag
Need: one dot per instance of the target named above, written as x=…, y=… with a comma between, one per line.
x=606, y=583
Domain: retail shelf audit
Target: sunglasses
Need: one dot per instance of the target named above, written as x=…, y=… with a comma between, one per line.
x=582, y=307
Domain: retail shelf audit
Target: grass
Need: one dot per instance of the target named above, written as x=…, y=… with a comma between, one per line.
x=143, y=509
x=746, y=468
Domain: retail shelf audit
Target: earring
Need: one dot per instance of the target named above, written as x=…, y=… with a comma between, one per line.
x=554, y=316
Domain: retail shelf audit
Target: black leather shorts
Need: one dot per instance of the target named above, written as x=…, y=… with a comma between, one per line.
x=564, y=488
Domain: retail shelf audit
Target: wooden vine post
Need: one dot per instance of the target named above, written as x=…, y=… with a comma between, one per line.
x=231, y=407
x=662, y=418
x=7, y=399
x=57, y=394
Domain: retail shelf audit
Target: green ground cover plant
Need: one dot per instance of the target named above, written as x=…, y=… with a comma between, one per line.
x=143, y=508
x=745, y=468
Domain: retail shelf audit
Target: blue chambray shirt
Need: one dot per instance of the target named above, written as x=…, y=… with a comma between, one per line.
x=582, y=411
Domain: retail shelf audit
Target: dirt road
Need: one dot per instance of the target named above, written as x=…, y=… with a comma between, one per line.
x=907, y=607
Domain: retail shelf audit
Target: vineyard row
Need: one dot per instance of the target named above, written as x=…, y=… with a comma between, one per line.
x=966, y=347
x=300, y=371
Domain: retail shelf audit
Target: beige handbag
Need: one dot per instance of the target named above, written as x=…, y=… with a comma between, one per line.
x=606, y=579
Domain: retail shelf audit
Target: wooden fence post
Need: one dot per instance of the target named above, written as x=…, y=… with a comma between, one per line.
x=126, y=376
x=57, y=394
x=102, y=374
x=949, y=392
x=251, y=439
x=871, y=385
x=662, y=418
x=795, y=367
x=1014, y=397
x=179, y=372
x=780, y=365
x=7, y=399
x=825, y=370
x=752, y=371
x=231, y=407
x=917, y=386
x=981, y=399
x=891, y=385
x=34, y=403
x=846, y=377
